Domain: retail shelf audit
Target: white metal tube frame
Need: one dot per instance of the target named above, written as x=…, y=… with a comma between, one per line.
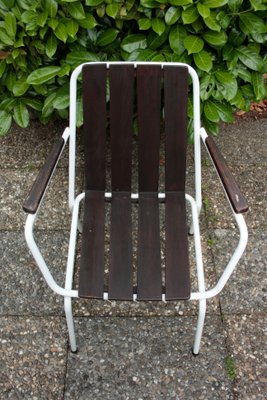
x=202, y=294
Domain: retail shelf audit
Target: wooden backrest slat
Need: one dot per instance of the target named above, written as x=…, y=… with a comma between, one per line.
x=175, y=113
x=94, y=111
x=149, y=110
x=121, y=122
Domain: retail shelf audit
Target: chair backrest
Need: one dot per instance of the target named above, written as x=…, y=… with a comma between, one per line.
x=158, y=93
x=152, y=89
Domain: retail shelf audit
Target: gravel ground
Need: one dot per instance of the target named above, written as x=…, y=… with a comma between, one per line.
x=132, y=351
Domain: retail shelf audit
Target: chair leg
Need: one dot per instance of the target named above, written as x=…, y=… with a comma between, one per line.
x=200, y=326
x=70, y=323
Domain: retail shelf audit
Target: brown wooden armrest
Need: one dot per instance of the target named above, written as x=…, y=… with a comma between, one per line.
x=234, y=194
x=38, y=188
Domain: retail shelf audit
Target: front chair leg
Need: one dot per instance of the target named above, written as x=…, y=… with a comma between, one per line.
x=70, y=323
x=200, y=326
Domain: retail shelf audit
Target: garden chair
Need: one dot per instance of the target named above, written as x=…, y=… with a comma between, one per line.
x=159, y=91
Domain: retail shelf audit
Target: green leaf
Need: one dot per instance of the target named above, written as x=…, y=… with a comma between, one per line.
x=259, y=86
x=93, y=2
x=211, y=112
x=51, y=7
x=61, y=32
x=176, y=39
x=76, y=10
x=61, y=100
x=134, y=42
x=53, y=23
x=207, y=85
x=180, y=2
x=106, y=37
x=10, y=24
x=249, y=58
x=21, y=115
x=77, y=57
x=112, y=10
x=238, y=100
x=72, y=27
x=20, y=87
x=258, y=5
x=2, y=68
x=48, y=105
x=41, y=19
x=203, y=60
x=227, y=84
x=223, y=19
x=214, y=3
x=172, y=15
x=193, y=44
x=190, y=15
x=212, y=23
x=36, y=104
x=89, y=22
x=158, y=25
x=215, y=38
x=144, y=23
x=4, y=38
x=225, y=111
x=51, y=46
x=6, y=120
x=203, y=10
x=42, y=75
x=251, y=23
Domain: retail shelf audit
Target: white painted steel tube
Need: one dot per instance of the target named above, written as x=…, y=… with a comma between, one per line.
x=231, y=264
x=41, y=262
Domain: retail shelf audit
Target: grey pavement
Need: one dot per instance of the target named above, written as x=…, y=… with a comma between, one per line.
x=132, y=350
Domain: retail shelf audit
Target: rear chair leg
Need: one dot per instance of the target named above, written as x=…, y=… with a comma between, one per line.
x=200, y=326
x=70, y=323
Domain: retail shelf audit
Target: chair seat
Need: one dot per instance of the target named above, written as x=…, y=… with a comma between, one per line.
x=151, y=277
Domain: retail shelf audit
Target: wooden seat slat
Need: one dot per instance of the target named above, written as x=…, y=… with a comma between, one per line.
x=91, y=277
x=149, y=281
x=177, y=260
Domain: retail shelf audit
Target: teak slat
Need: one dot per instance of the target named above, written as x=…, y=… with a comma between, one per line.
x=120, y=271
x=32, y=202
x=91, y=278
x=149, y=110
x=148, y=255
x=175, y=112
x=94, y=130
x=121, y=122
x=235, y=196
x=177, y=261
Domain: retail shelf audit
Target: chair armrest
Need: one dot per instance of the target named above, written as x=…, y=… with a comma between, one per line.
x=229, y=183
x=40, y=184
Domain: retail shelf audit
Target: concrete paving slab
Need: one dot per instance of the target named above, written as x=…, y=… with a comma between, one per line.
x=33, y=357
x=244, y=142
x=246, y=290
x=23, y=289
x=147, y=358
x=252, y=182
x=247, y=344
x=14, y=188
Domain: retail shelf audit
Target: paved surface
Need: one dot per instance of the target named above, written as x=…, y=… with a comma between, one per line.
x=132, y=351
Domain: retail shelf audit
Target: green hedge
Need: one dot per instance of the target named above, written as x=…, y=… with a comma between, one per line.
x=41, y=41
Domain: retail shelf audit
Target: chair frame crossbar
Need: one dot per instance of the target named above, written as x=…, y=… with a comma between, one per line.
x=68, y=292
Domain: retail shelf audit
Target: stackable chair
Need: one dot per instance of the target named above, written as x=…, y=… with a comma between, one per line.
x=114, y=95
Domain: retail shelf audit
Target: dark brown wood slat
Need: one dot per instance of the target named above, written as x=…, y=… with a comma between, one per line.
x=177, y=261
x=234, y=194
x=120, y=271
x=121, y=121
x=94, y=130
x=32, y=202
x=91, y=278
x=175, y=111
x=148, y=257
x=149, y=110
